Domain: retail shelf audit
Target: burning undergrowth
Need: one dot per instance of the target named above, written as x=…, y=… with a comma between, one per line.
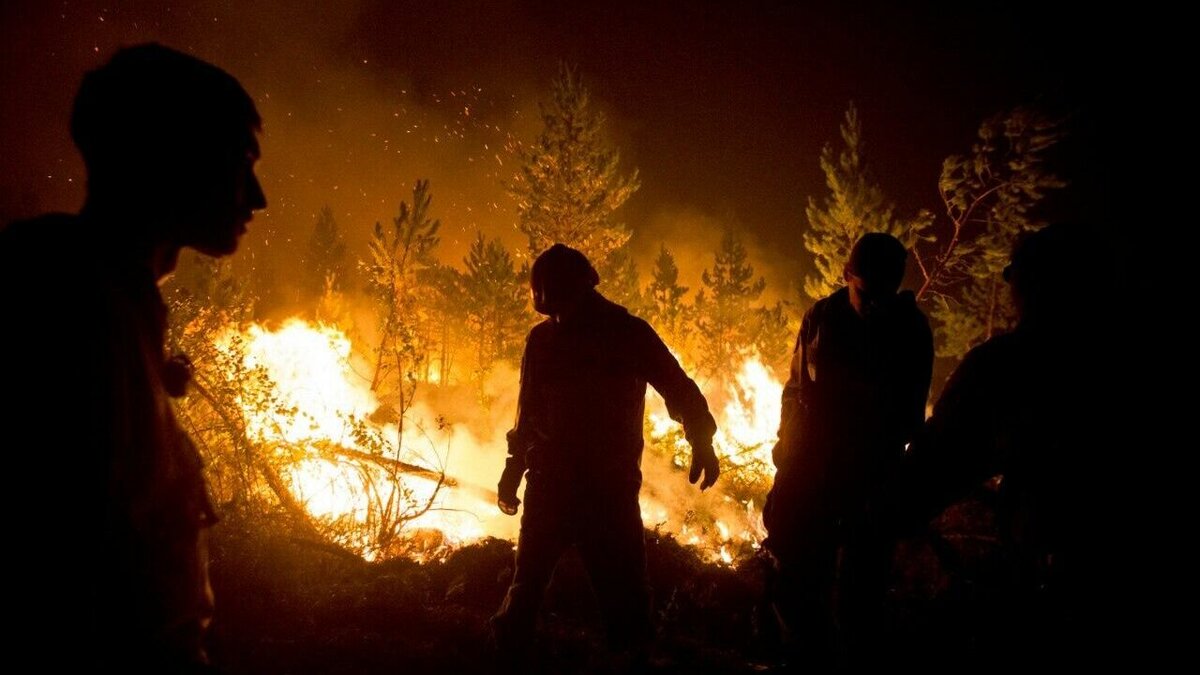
x=288, y=422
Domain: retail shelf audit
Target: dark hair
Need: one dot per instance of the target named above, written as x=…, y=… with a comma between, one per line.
x=878, y=258
x=561, y=266
x=150, y=101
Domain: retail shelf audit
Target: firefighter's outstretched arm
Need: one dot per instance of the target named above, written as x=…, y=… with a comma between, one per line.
x=685, y=404
x=519, y=440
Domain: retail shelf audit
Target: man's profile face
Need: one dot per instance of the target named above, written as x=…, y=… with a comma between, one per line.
x=555, y=297
x=868, y=295
x=217, y=195
x=547, y=299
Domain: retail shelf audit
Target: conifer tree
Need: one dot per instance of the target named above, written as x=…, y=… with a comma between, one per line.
x=619, y=281
x=496, y=304
x=665, y=308
x=725, y=326
x=854, y=206
x=400, y=256
x=324, y=267
x=989, y=197
x=569, y=184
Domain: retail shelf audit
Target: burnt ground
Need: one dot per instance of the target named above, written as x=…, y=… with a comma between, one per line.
x=286, y=606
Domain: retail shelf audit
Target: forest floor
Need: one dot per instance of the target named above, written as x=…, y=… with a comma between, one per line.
x=288, y=607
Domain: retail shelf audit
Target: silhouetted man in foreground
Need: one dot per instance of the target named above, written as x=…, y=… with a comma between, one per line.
x=1049, y=409
x=579, y=435
x=856, y=394
x=115, y=576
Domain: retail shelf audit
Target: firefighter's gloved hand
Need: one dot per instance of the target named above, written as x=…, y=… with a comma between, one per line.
x=781, y=453
x=508, y=505
x=506, y=490
x=704, y=460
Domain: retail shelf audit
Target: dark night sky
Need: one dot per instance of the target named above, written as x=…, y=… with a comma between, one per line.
x=723, y=107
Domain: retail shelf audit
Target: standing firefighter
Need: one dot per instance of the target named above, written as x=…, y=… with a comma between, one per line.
x=115, y=576
x=579, y=437
x=859, y=380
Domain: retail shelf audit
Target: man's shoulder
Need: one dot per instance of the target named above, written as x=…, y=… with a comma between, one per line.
x=997, y=354
x=609, y=315
x=987, y=372
x=910, y=311
x=33, y=248
x=54, y=246
x=23, y=237
x=633, y=321
x=41, y=284
x=822, y=309
x=839, y=299
x=541, y=329
x=635, y=327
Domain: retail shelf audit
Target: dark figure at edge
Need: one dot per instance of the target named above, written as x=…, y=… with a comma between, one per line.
x=1045, y=414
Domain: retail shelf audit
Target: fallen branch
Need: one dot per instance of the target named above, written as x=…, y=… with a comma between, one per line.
x=388, y=463
x=327, y=547
x=269, y=474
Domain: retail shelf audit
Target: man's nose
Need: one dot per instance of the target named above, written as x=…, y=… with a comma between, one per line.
x=254, y=194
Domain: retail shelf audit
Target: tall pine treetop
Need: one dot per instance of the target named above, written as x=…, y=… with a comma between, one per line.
x=569, y=184
x=854, y=206
x=665, y=307
x=727, y=326
x=731, y=274
x=325, y=262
